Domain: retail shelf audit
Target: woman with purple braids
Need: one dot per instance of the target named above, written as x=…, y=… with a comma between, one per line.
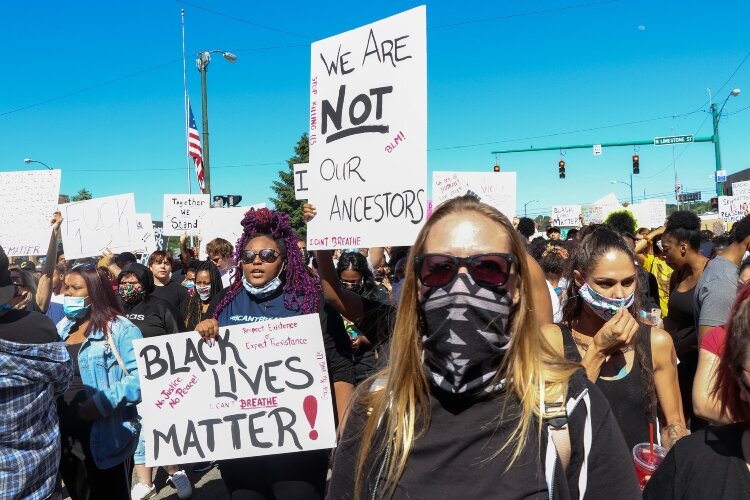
x=273, y=282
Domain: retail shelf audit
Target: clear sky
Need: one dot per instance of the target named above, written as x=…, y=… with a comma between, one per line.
x=96, y=89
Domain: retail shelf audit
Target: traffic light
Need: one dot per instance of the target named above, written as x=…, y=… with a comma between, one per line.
x=233, y=200
x=496, y=168
x=636, y=164
x=715, y=203
x=562, y=169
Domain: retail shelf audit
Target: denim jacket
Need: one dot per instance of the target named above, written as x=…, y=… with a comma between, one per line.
x=114, y=437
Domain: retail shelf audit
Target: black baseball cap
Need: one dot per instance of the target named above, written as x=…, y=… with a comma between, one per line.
x=7, y=288
x=27, y=265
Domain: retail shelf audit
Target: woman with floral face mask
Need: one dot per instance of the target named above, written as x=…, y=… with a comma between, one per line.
x=154, y=317
x=632, y=363
x=465, y=408
x=208, y=285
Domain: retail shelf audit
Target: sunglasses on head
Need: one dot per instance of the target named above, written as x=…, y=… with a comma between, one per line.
x=486, y=269
x=267, y=255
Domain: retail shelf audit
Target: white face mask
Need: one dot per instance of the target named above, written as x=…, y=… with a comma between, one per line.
x=265, y=290
x=203, y=292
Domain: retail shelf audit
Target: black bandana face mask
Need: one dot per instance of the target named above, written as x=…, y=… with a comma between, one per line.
x=466, y=335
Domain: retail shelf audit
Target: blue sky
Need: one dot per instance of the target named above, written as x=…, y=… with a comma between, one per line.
x=523, y=70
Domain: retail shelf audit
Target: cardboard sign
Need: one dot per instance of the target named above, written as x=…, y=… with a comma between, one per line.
x=733, y=208
x=27, y=204
x=368, y=134
x=92, y=226
x=184, y=213
x=497, y=189
x=300, y=181
x=261, y=389
x=145, y=228
x=740, y=188
x=566, y=216
x=224, y=223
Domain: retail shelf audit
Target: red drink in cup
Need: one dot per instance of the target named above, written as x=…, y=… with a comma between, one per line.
x=646, y=463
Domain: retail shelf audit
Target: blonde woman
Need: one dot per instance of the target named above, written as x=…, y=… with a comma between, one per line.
x=465, y=408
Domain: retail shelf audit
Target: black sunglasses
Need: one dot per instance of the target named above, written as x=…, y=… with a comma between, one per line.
x=350, y=285
x=487, y=269
x=268, y=255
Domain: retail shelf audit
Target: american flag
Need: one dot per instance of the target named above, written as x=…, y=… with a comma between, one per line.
x=194, y=148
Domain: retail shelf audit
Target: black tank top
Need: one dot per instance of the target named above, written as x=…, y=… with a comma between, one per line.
x=627, y=396
x=680, y=321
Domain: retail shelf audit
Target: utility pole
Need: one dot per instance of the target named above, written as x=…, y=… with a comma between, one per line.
x=717, y=150
x=202, y=62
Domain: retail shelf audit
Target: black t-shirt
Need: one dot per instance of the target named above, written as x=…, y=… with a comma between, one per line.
x=176, y=296
x=706, y=464
x=27, y=327
x=153, y=317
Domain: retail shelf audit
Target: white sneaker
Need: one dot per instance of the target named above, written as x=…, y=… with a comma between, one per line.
x=182, y=484
x=142, y=491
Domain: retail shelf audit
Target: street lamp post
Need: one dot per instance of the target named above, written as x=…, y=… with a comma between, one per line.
x=29, y=160
x=717, y=152
x=524, y=206
x=629, y=184
x=204, y=58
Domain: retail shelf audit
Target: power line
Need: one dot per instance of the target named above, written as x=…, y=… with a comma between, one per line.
x=168, y=169
x=522, y=14
x=245, y=21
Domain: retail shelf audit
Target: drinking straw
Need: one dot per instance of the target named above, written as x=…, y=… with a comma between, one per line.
x=651, y=440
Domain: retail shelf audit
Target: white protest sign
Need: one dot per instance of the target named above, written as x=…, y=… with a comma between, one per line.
x=184, y=213
x=300, y=181
x=597, y=149
x=566, y=216
x=368, y=134
x=224, y=223
x=733, y=208
x=145, y=228
x=649, y=213
x=597, y=212
x=497, y=189
x=27, y=204
x=262, y=389
x=740, y=188
x=92, y=226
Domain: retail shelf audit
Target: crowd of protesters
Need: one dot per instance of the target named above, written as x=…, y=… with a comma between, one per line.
x=487, y=360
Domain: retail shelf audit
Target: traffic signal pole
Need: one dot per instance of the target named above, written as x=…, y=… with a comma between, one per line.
x=717, y=151
x=603, y=145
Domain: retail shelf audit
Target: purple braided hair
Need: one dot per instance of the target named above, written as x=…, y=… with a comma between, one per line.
x=301, y=291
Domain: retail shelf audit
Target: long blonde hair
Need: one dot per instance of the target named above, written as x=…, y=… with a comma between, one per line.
x=399, y=413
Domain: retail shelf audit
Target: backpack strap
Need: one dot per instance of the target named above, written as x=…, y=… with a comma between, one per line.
x=556, y=419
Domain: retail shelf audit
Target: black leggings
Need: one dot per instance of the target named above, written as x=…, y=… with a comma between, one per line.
x=85, y=481
x=290, y=476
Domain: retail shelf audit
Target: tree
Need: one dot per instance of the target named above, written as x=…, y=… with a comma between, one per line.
x=83, y=194
x=284, y=187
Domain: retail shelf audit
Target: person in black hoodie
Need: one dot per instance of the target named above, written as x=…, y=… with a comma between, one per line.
x=154, y=317
x=160, y=264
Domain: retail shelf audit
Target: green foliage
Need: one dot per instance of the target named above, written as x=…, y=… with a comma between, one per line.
x=83, y=194
x=284, y=187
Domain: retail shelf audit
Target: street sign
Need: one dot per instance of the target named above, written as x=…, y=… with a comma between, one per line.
x=721, y=176
x=674, y=139
x=597, y=149
x=689, y=196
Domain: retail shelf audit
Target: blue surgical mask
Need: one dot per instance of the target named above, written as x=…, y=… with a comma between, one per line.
x=604, y=307
x=75, y=307
x=265, y=290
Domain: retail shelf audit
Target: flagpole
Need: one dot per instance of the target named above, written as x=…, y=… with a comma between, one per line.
x=185, y=103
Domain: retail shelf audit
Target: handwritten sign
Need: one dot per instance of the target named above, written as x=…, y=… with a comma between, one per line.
x=161, y=241
x=597, y=212
x=649, y=213
x=27, y=204
x=368, y=134
x=262, y=389
x=741, y=188
x=89, y=227
x=300, y=181
x=184, y=213
x=145, y=228
x=497, y=189
x=566, y=215
x=733, y=208
x=224, y=223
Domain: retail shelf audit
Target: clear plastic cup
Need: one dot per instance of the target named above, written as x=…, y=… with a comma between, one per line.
x=646, y=463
